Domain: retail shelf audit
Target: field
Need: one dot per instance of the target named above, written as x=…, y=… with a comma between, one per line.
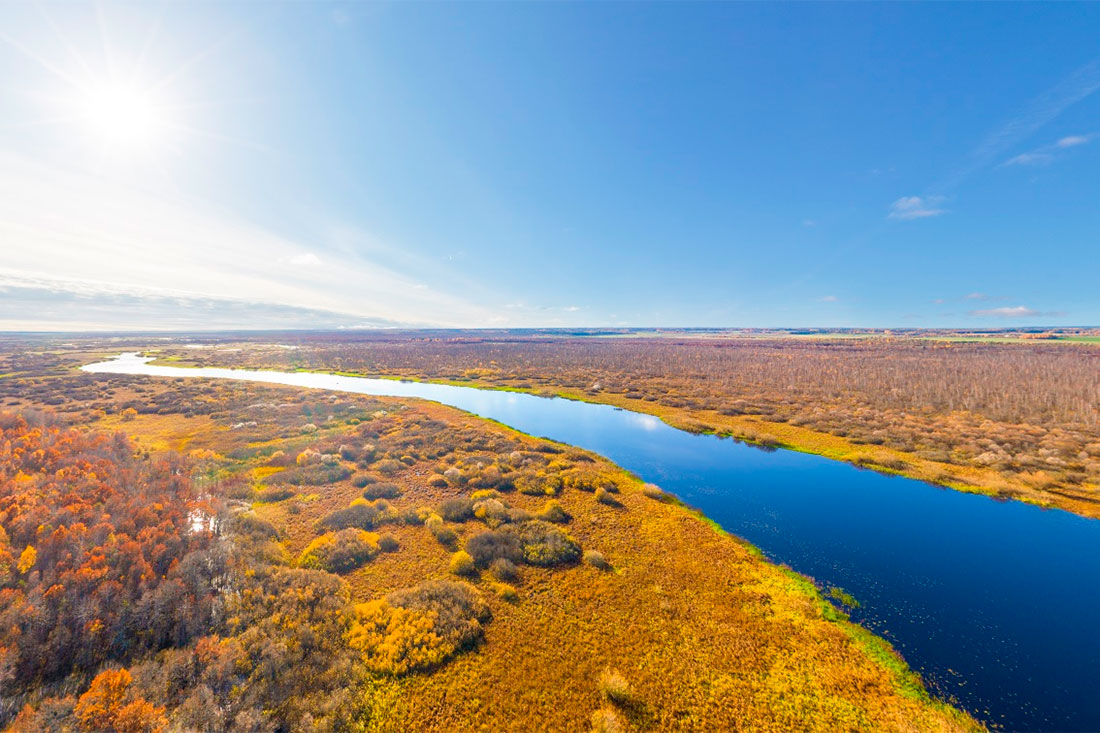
x=1017, y=420
x=389, y=564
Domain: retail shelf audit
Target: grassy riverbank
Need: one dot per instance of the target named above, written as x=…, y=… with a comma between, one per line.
x=758, y=431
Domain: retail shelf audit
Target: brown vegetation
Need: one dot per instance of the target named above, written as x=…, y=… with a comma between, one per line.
x=1017, y=419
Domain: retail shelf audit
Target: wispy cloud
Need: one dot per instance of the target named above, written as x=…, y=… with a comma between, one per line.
x=1031, y=159
x=45, y=304
x=63, y=227
x=1075, y=87
x=828, y=299
x=1047, y=154
x=1071, y=141
x=916, y=207
x=1014, y=311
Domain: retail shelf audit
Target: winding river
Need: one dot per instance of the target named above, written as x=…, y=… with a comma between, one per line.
x=996, y=604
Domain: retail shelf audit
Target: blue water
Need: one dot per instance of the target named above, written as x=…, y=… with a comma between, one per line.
x=995, y=604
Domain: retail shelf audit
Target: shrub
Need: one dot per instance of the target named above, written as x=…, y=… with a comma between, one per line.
x=614, y=688
x=453, y=476
x=388, y=467
x=444, y=534
x=437, y=481
x=506, y=592
x=308, y=457
x=315, y=474
x=341, y=551
x=584, y=481
x=653, y=491
x=486, y=547
x=487, y=479
x=396, y=640
x=418, y=628
x=382, y=491
x=363, y=479
x=596, y=559
x=274, y=493
x=462, y=564
x=544, y=544
x=458, y=509
x=606, y=497
x=361, y=515
x=504, y=570
x=492, y=511
x=553, y=511
x=460, y=607
x=247, y=523
x=606, y=720
x=387, y=543
x=539, y=485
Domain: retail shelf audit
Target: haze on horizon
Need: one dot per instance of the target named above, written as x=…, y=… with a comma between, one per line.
x=182, y=166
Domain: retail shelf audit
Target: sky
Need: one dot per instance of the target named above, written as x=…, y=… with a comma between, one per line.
x=188, y=166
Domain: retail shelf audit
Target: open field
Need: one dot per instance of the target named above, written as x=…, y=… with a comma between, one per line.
x=574, y=595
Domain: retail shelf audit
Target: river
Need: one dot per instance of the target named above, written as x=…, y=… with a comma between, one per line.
x=994, y=603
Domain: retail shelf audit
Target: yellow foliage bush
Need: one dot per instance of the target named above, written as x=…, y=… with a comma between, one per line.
x=395, y=640
x=27, y=559
x=339, y=552
x=462, y=564
x=418, y=628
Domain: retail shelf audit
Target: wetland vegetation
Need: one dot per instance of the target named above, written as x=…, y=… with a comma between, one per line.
x=1014, y=419
x=516, y=579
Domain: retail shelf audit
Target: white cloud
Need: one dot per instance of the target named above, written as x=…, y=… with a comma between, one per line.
x=1070, y=141
x=307, y=259
x=1047, y=154
x=1015, y=311
x=828, y=299
x=916, y=207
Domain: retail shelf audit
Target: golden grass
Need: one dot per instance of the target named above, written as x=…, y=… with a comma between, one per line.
x=709, y=635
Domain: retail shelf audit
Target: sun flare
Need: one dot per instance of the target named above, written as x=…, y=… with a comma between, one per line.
x=121, y=115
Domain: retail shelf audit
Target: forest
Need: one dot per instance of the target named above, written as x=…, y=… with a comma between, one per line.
x=196, y=555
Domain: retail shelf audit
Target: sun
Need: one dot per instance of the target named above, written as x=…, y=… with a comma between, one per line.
x=122, y=115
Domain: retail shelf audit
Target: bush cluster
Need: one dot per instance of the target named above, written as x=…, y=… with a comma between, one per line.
x=544, y=544
x=340, y=552
x=419, y=628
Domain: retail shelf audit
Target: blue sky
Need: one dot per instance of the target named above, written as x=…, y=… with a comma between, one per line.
x=559, y=164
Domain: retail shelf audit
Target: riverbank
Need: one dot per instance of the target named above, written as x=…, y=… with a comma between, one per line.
x=733, y=642
x=769, y=434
